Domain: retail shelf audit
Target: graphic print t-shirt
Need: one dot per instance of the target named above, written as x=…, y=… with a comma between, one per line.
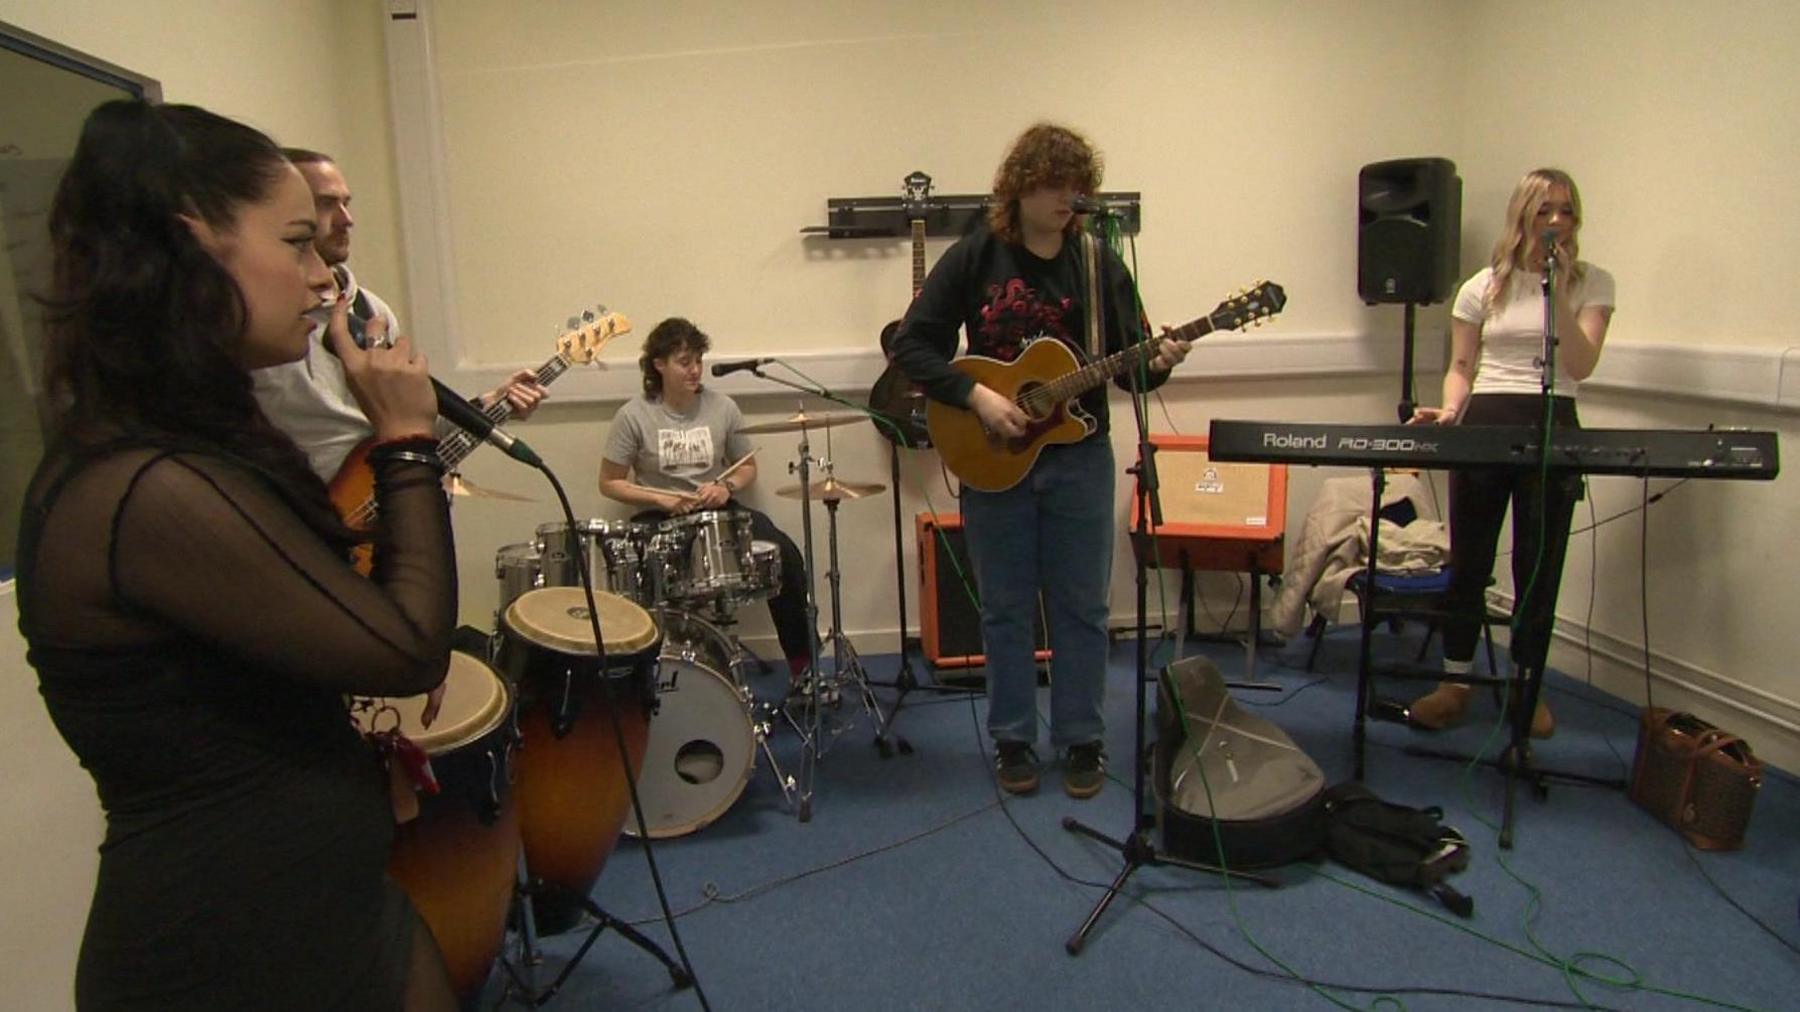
x=677, y=452
x=1003, y=297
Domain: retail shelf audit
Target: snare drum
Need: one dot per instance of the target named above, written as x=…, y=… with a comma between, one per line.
x=706, y=555
x=572, y=783
x=519, y=568
x=614, y=551
x=458, y=859
x=703, y=744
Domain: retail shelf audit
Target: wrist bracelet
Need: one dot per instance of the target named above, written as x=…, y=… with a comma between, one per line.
x=383, y=454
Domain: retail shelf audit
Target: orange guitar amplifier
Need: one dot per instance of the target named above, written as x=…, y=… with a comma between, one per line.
x=1219, y=517
x=949, y=620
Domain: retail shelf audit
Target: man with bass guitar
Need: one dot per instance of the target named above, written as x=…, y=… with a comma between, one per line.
x=1025, y=275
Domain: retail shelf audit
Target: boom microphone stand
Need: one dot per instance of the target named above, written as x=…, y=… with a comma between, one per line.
x=1136, y=849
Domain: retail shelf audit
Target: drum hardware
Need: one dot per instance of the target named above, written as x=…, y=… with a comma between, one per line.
x=847, y=669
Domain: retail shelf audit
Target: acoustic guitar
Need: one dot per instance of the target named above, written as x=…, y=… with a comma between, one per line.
x=352, y=489
x=1044, y=380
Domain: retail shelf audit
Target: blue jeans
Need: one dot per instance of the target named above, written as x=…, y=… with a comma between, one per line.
x=1052, y=532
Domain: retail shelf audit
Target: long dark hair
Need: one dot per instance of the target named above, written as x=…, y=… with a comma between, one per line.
x=142, y=324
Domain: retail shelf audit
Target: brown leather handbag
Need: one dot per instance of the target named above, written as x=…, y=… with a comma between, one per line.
x=1695, y=777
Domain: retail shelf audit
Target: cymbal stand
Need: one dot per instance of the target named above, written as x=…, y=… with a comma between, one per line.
x=808, y=726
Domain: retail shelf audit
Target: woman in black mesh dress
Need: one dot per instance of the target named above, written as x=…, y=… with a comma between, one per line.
x=184, y=589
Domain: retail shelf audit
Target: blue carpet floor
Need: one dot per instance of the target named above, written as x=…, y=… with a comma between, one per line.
x=914, y=886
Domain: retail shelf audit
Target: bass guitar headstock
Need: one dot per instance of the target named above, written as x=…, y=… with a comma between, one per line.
x=586, y=334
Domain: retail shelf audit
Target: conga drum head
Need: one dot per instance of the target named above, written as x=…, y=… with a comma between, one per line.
x=457, y=859
x=557, y=618
x=475, y=702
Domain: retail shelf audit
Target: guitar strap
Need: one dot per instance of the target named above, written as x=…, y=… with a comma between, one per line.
x=1091, y=267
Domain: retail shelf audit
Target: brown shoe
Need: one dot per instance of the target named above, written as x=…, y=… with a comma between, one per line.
x=1444, y=706
x=1542, y=724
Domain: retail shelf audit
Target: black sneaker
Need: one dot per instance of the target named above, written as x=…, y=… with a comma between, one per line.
x=1015, y=767
x=1084, y=770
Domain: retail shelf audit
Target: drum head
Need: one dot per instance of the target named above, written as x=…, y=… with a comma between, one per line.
x=475, y=702
x=700, y=753
x=557, y=618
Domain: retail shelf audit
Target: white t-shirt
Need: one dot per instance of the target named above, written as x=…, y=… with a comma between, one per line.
x=1512, y=338
x=311, y=401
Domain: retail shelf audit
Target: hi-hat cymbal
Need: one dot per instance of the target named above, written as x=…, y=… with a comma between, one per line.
x=797, y=422
x=831, y=488
x=463, y=486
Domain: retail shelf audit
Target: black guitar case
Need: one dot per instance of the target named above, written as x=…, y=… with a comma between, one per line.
x=1221, y=769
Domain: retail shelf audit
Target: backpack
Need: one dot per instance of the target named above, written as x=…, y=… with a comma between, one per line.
x=1395, y=844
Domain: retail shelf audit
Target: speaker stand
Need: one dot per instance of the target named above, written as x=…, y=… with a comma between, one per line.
x=1408, y=402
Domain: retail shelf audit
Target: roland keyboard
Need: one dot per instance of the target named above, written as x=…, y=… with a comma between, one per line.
x=1660, y=453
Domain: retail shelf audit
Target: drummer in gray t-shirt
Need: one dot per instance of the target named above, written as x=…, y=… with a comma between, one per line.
x=666, y=452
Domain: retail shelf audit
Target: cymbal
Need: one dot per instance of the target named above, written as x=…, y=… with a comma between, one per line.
x=798, y=422
x=463, y=486
x=831, y=488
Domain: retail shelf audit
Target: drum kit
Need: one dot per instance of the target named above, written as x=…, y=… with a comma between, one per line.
x=536, y=746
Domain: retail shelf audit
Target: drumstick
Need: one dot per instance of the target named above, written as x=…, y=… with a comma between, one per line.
x=741, y=462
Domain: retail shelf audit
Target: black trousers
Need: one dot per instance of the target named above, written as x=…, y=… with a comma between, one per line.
x=787, y=608
x=1541, y=514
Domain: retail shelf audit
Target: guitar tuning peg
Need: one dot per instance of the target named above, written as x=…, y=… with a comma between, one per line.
x=600, y=308
x=587, y=316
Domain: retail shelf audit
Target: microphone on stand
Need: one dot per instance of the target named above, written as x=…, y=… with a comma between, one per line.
x=727, y=368
x=1549, y=246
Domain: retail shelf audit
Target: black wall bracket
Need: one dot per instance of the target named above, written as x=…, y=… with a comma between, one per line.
x=951, y=215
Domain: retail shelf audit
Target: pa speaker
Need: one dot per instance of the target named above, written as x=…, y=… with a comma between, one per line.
x=949, y=621
x=1409, y=223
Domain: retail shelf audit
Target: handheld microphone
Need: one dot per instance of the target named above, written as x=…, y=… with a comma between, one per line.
x=727, y=368
x=457, y=410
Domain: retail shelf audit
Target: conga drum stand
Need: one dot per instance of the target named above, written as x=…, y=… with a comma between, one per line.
x=522, y=977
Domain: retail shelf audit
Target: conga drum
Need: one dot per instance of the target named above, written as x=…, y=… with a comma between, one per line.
x=572, y=783
x=459, y=858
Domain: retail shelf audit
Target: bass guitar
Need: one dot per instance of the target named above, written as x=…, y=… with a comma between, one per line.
x=352, y=489
x=1044, y=380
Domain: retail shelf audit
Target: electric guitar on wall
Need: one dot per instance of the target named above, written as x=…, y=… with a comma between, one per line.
x=1044, y=379
x=893, y=394
x=352, y=489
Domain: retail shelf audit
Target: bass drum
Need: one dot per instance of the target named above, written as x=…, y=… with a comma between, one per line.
x=458, y=858
x=572, y=780
x=703, y=744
